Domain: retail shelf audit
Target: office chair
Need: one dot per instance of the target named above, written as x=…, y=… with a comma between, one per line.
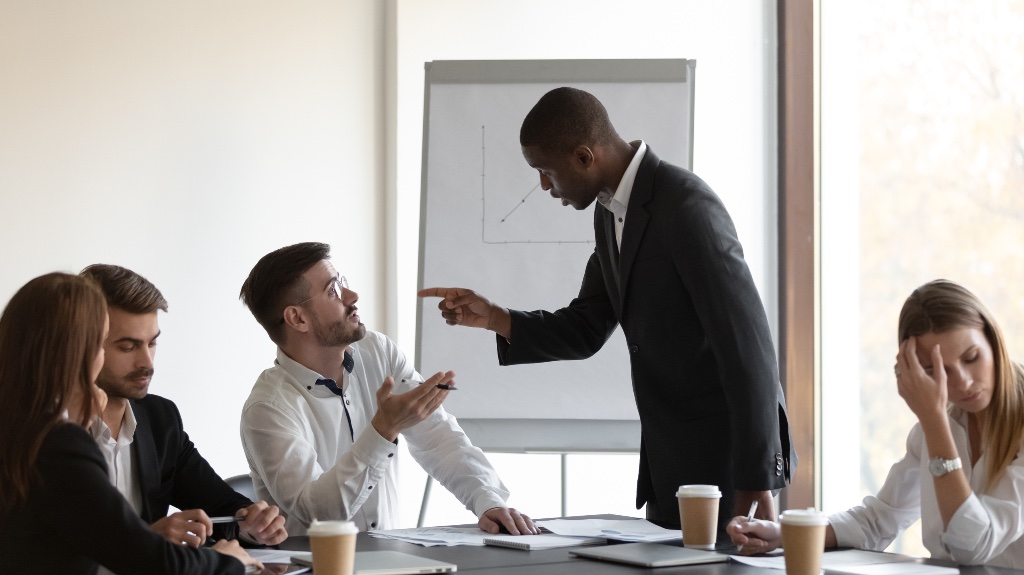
x=243, y=485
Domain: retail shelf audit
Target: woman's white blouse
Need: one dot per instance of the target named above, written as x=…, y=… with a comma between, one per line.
x=986, y=529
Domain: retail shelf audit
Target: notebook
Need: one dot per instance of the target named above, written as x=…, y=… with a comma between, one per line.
x=388, y=563
x=651, y=555
x=533, y=542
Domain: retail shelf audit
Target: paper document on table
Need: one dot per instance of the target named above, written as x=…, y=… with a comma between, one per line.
x=855, y=562
x=619, y=529
x=904, y=568
x=435, y=536
x=274, y=555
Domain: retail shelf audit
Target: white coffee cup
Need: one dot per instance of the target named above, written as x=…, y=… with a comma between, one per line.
x=698, y=514
x=334, y=546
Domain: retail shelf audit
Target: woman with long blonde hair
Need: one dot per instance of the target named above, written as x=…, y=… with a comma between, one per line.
x=963, y=473
x=58, y=511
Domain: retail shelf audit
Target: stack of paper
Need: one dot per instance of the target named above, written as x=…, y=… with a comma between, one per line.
x=535, y=542
x=435, y=536
x=634, y=530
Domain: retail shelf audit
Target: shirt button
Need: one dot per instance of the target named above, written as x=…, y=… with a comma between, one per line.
x=373, y=525
x=391, y=455
x=347, y=402
x=309, y=387
x=370, y=488
x=633, y=349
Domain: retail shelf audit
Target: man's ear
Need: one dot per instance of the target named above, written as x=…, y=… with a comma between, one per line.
x=583, y=157
x=295, y=318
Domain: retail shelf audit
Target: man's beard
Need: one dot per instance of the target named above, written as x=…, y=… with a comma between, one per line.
x=123, y=387
x=337, y=334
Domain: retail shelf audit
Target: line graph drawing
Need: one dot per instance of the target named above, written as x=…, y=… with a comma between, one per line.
x=520, y=223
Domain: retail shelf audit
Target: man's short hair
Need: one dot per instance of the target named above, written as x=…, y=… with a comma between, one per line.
x=565, y=118
x=125, y=289
x=276, y=282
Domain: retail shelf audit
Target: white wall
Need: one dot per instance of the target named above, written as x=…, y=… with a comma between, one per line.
x=185, y=140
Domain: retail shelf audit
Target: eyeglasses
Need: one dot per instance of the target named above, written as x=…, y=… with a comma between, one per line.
x=335, y=290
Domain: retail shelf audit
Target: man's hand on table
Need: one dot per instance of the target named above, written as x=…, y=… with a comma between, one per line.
x=498, y=519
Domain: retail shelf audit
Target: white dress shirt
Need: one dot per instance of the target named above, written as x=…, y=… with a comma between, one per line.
x=986, y=529
x=118, y=454
x=304, y=459
x=617, y=203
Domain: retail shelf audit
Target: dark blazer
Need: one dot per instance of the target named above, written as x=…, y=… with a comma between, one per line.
x=75, y=520
x=704, y=372
x=171, y=471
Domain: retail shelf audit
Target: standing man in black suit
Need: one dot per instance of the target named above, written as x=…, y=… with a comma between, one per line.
x=668, y=268
x=150, y=458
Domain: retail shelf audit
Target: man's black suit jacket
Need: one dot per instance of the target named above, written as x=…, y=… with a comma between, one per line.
x=703, y=366
x=171, y=471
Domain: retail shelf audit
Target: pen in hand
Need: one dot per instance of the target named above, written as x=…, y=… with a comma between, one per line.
x=226, y=519
x=753, y=510
x=444, y=386
x=750, y=517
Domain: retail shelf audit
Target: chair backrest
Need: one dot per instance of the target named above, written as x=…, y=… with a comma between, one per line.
x=243, y=485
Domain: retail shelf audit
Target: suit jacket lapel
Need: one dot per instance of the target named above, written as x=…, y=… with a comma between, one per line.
x=636, y=219
x=144, y=459
x=610, y=244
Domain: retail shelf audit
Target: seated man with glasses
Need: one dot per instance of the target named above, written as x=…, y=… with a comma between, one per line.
x=320, y=428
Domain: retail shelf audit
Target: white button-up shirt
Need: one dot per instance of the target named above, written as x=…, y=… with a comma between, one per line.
x=617, y=203
x=118, y=454
x=303, y=458
x=986, y=529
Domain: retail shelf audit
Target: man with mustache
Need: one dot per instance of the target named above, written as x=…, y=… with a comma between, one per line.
x=321, y=426
x=150, y=458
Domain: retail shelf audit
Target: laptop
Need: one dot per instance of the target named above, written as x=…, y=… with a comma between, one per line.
x=388, y=563
x=650, y=554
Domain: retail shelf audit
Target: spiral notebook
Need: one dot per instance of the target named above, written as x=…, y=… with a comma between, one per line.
x=535, y=542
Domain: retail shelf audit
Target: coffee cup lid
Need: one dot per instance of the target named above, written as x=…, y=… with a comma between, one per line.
x=809, y=516
x=324, y=528
x=698, y=491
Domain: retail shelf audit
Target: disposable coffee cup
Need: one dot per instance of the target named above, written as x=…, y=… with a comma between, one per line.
x=334, y=547
x=698, y=514
x=803, y=540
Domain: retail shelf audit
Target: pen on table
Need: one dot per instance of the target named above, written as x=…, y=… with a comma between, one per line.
x=227, y=519
x=750, y=517
x=439, y=386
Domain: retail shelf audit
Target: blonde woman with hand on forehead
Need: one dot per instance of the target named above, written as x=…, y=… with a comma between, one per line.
x=963, y=474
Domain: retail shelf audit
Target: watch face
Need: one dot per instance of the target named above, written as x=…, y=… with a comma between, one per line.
x=939, y=467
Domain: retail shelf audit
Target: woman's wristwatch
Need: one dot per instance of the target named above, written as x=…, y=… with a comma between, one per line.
x=939, y=466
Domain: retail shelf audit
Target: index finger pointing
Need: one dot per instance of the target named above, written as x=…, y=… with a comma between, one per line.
x=438, y=292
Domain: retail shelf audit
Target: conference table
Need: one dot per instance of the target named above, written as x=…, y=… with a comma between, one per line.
x=502, y=561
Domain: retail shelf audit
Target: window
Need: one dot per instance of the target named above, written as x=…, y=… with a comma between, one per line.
x=922, y=177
